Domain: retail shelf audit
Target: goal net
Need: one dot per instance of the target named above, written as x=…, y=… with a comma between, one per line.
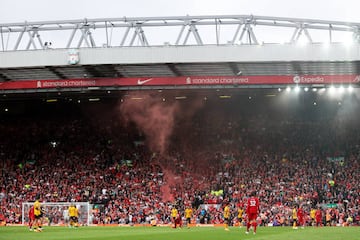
x=56, y=213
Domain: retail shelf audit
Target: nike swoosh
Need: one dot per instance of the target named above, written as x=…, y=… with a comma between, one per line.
x=141, y=82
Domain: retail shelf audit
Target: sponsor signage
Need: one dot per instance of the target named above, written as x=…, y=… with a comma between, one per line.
x=182, y=81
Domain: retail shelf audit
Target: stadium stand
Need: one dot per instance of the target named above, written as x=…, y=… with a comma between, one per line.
x=286, y=157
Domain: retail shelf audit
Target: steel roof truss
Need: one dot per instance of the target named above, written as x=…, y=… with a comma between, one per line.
x=71, y=37
x=32, y=35
x=298, y=32
x=139, y=33
x=192, y=30
x=85, y=34
x=244, y=23
x=125, y=36
x=19, y=39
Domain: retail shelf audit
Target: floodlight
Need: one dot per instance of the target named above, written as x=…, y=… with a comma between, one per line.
x=350, y=89
x=341, y=89
x=331, y=89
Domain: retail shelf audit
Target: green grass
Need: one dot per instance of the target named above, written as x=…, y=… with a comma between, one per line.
x=167, y=233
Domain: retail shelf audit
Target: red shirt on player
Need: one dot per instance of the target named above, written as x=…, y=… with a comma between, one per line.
x=31, y=213
x=318, y=217
x=31, y=217
x=300, y=216
x=252, y=211
x=252, y=205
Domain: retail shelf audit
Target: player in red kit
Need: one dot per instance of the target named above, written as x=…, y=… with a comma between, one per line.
x=252, y=211
x=300, y=217
x=31, y=217
x=318, y=217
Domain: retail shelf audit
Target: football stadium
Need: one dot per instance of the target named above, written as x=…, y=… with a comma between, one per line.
x=212, y=131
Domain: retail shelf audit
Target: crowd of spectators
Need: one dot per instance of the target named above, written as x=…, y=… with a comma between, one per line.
x=310, y=161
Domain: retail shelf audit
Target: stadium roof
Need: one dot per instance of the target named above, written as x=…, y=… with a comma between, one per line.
x=176, y=69
x=188, y=46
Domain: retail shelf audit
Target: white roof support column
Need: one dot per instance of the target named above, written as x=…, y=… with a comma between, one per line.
x=125, y=36
x=250, y=35
x=86, y=33
x=251, y=39
x=298, y=32
x=192, y=30
x=139, y=33
x=195, y=31
x=16, y=47
x=180, y=34
x=72, y=36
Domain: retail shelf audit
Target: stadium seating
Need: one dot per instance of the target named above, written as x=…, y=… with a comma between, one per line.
x=287, y=160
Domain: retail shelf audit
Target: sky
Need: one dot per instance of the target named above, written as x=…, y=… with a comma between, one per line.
x=49, y=10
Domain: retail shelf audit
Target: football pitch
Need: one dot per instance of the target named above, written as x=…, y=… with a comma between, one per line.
x=167, y=233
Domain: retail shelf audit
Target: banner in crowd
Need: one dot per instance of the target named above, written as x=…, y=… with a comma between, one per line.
x=181, y=81
x=210, y=206
x=336, y=159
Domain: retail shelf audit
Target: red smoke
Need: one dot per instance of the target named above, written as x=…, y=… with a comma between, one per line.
x=156, y=118
x=153, y=116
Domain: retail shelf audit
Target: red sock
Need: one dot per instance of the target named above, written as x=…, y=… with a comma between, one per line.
x=254, y=225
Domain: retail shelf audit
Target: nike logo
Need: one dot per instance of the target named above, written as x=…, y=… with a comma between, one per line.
x=141, y=82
